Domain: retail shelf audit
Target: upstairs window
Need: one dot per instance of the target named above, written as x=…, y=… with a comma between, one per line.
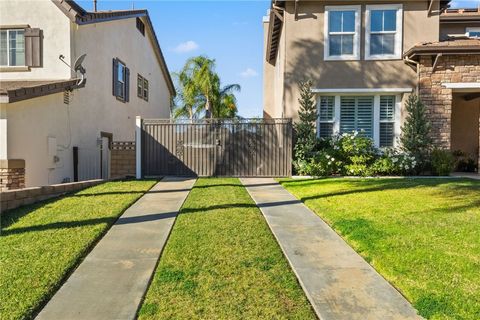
x=141, y=26
x=142, y=88
x=121, y=80
x=342, y=33
x=12, y=47
x=473, y=32
x=383, y=32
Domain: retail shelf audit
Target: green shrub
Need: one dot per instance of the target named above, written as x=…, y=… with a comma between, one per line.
x=415, y=138
x=442, y=162
x=305, y=129
x=355, y=151
x=393, y=162
x=464, y=162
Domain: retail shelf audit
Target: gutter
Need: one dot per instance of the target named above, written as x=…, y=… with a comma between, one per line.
x=417, y=70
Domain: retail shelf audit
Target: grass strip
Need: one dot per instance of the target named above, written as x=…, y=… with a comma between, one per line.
x=222, y=262
x=42, y=243
x=422, y=235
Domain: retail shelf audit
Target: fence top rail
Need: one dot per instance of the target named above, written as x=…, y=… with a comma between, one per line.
x=219, y=121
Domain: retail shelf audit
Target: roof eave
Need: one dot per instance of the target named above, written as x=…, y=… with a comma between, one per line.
x=81, y=17
x=431, y=51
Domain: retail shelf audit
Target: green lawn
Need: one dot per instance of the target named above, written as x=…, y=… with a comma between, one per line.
x=423, y=235
x=222, y=262
x=40, y=244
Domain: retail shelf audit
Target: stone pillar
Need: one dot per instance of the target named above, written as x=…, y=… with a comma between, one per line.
x=437, y=99
x=12, y=174
x=123, y=159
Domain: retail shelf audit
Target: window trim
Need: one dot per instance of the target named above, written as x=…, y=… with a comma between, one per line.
x=24, y=65
x=398, y=34
x=141, y=81
x=376, y=114
x=124, y=82
x=471, y=29
x=356, y=37
x=332, y=121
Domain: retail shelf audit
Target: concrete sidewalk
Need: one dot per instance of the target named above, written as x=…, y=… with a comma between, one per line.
x=336, y=280
x=112, y=280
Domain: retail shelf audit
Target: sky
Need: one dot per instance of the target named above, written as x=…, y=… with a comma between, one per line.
x=228, y=31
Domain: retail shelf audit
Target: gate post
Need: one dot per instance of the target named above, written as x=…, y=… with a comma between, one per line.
x=138, y=147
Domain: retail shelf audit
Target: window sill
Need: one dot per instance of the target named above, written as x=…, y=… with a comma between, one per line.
x=386, y=57
x=14, y=69
x=341, y=58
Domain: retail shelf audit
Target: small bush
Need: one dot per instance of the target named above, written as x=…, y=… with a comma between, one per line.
x=442, y=162
x=393, y=162
x=464, y=162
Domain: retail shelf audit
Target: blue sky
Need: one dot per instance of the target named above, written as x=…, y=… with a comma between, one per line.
x=228, y=31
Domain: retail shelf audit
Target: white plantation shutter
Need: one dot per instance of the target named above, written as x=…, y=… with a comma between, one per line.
x=347, y=114
x=387, y=121
x=356, y=114
x=326, y=116
x=365, y=115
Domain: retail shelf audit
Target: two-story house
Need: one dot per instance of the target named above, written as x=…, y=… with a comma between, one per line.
x=366, y=57
x=55, y=127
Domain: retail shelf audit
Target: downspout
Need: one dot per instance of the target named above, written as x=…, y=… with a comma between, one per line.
x=417, y=69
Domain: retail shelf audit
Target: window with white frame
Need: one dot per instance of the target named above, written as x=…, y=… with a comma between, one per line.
x=356, y=114
x=374, y=116
x=12, y=47
x=326, y=112
x=342, y=33
x=387, y=121
x=383, y=32
x=473, y=32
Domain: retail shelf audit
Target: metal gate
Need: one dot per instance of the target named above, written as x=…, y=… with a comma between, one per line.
x=236, y=147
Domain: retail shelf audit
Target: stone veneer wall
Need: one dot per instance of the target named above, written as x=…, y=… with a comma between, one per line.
x=12, y=174
x=122, y=159
x=12, y=199
x=458, y=68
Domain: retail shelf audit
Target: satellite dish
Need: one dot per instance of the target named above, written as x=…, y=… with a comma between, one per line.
x=77, y=66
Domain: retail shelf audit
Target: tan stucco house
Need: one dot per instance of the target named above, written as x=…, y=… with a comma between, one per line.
x=366, y=57
x=54, y=127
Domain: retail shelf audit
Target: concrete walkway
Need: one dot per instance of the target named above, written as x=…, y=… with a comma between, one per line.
x=471, y=175
x=112, y=280
x=336, y=280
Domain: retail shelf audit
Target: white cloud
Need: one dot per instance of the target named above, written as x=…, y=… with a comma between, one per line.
x=186, y=47
x=249, y=73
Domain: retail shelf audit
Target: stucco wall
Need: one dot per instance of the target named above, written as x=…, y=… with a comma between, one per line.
x=92, y=109
x=304, y=51
x=455, y=29
x=118, y=39
x=30, y=123
x=43, y=14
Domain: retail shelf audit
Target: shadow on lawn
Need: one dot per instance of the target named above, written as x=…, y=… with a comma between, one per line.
x=354, y=186
x=89, y=222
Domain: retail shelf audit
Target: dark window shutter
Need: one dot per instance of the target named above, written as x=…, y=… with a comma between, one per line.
x=127, y=84
x=115, y=77
x=33, y=47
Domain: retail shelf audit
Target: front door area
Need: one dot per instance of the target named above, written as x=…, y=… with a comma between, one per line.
x=465, y=135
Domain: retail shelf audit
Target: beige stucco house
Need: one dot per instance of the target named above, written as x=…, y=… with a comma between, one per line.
x=56, y=126
x=366, y=57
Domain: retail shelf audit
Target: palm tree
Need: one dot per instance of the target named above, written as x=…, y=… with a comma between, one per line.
x=227, y=102
x=200, y=91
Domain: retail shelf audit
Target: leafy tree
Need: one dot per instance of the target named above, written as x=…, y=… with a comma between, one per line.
x=415, y=138
x=200, y=91
x=305, y=128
